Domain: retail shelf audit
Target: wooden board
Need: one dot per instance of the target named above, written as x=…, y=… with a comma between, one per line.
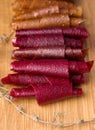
x=76, y=108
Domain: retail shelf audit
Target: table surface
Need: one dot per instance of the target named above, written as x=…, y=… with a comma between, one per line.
x=75, y=108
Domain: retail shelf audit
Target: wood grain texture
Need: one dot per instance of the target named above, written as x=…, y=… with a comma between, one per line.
x=77, y=108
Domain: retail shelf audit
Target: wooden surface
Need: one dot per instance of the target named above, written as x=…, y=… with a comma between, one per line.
x=77, y=108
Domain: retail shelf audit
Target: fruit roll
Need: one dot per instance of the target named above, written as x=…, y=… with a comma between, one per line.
x=26, y=80
x=74, y=32
x=49, y=10
x=58, y=67
x=44, y=22
x=48, y=21
x=54, y=52
x=23, y=6
x=36, y=41
x=47, y=93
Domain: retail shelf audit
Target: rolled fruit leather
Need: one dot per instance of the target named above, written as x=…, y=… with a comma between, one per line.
x=49, y=10
x=54, y=52
x=50, y=37
x=19, y=6
x=47, y=21
x=76, y=32
x=26, y=80
x=47, y=93
x=58, y=67
x=46, y=40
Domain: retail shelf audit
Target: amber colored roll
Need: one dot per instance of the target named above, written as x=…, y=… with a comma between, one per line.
x=49, y=21
x=37, y=13
x=19, y=5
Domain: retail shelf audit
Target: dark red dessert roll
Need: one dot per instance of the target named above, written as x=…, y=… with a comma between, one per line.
x=47, y=93
x=31, y=41
x=54, y=52
x=52, y=67
x=80, y=32
x=28, y=79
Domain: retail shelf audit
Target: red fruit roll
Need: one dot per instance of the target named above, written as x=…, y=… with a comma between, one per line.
x=52, y=67
x=49, y=52
x=28, y=79
x=68, y=42
x=40, y=40
x=80, y=32
x=46, y=67
x=47, y=93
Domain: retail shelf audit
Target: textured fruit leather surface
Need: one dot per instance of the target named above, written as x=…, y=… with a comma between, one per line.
x=75, y=108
